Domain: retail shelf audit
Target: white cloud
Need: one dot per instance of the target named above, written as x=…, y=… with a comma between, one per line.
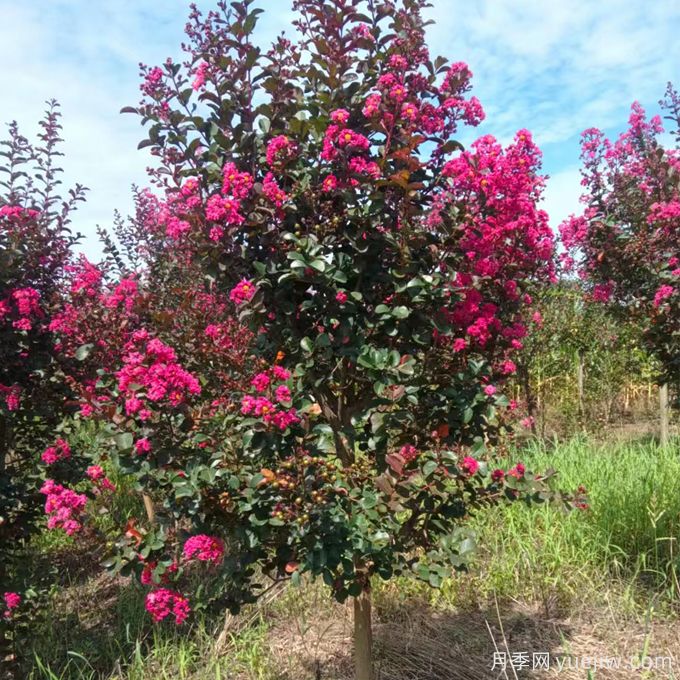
x=86, y=54
x=555, y=68
x=559, y=67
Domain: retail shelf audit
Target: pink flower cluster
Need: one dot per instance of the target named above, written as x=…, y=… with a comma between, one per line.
x=363, y=32
x=87, y=278
x=200, y=75
x=64, y=507
x=203, y=548
x=142, y=446
x=226, y=208
x=469, y=465
x=98, y=476
x=662, y=294
x=235, y=183
x=602, y=292
x=408, y=452
x=12, y=601
x=330, y=183
x=269, y=412
x=27, y=301
x=59, y=451
x=242, y=292
x=162, y=602
x=12, y=396
x=272, y=190
x=260, y=406
x=405, y=97
x=360, y=166
x=151, y=373
x=349, y=148
x=506, y=238
x=663, y=213
x=174, y=216
x=124, y=293
x=280, y=150
x=153, y=81
x=26, y=304
x=14, y=212
x=338, y=138
x=223, y=209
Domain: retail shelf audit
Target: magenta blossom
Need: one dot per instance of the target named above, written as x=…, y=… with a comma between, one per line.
x=204, y=548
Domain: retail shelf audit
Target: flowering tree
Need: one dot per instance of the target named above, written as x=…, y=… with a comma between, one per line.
x=627, y=242
x=315, y=190
x=113, y=326
x=35, y=247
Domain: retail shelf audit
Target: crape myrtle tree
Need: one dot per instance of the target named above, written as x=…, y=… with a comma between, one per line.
x=118, y=324
x=626, y=244
x=383, y=272
x=35, y=250
x=152, y=289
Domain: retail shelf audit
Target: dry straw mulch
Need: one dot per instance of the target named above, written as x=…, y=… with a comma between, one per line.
x=418, y=642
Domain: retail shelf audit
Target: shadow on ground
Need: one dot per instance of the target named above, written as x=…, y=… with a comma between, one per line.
x=414, y=641
x=417, y=642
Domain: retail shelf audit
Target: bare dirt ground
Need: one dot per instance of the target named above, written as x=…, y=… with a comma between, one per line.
x=518, y=640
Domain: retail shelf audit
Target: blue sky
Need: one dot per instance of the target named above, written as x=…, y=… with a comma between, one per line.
x=554, y=67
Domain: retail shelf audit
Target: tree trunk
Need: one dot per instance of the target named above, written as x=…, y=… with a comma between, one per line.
x=150, y=510
x=3, y=526
x=579, y=381
x=3, y=443
x=363, y=637
x=663, y=415
x=529, y=396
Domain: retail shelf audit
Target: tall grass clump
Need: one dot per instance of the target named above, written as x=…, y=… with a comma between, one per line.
x=626, y=536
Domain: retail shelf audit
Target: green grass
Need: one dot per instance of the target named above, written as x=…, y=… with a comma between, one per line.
x=127, y=647
x=628, y=534
x=621, y=554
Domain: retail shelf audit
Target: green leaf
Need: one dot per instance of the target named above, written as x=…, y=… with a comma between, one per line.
x=400, y=312
x=354, y=589
x=307, y=345
x=124, y=440
x=84, y=351
x=429, y=467
x=184, y=490
x=435, y=580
